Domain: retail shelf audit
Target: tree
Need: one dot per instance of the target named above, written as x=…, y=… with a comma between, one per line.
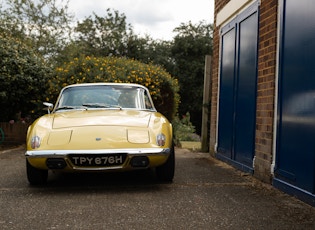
x=47, y=27
x=112, y=36
x=99, y=36
x=23, y=79
x=147, y=50
x=104, y=36
x=140, y=48
x=44, y=25
x=190, y=46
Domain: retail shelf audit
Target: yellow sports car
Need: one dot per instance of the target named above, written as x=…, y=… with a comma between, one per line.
x=100, y=127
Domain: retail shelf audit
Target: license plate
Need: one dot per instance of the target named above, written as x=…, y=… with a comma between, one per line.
x=94, y=160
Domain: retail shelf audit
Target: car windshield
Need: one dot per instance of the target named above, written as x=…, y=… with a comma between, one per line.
x=104, y=96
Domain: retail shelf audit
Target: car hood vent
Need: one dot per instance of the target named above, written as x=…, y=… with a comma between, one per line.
x=131, y=118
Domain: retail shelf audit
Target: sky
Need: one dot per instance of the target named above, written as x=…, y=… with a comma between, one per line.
x=156, y=18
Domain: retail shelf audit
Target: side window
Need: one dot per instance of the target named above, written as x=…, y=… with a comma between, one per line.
x=147, y=101
x=148, y=104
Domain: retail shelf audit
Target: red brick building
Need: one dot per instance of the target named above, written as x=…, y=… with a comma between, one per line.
x=263, y=91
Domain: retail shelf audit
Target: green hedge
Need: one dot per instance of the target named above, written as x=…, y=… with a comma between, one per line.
x=163, y=88
x=23, y=78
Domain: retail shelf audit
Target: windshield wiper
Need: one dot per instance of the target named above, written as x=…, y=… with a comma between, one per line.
x=65, y=108
x=100, y=105
x=69, y=107
x=96, y=105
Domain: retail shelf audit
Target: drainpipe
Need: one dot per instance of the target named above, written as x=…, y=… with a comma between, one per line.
x=275, y=116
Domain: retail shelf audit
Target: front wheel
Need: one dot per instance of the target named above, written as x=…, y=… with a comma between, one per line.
x=36, y=176
x=166, y=171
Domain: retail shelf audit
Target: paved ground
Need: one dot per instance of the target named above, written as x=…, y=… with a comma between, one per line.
x=206, y=194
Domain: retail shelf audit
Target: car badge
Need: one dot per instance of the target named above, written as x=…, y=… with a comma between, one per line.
x=98, y=139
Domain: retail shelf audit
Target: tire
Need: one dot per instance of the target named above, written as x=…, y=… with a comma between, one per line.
x=36, y=176
x=165, y=172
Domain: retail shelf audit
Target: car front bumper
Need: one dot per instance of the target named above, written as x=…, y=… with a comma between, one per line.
x=97, y=160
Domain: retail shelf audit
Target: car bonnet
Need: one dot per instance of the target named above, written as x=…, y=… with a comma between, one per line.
x=79, y=118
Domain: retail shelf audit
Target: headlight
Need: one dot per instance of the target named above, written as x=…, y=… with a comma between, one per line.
x=160, y=139
x=35, y=142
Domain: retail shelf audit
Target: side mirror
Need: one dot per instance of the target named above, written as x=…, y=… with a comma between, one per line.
x=49, y=106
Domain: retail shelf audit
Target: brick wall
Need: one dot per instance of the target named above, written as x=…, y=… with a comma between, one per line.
x=266, y=88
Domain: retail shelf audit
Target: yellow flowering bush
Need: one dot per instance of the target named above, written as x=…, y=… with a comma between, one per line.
x=163, y=88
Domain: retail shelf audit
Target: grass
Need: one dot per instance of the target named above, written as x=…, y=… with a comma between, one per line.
x=193, y=145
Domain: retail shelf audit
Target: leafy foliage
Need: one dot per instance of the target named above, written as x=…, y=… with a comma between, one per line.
x=184, y=130
x=163, y=88
x=48, y=27
x=111, y=35
x=191, y=44
x=44, y=25
x=148, y=50
x=104, y=36
x=23, y=78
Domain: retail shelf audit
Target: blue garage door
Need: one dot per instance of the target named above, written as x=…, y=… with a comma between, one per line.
x=295, y=161
x=237, y=100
